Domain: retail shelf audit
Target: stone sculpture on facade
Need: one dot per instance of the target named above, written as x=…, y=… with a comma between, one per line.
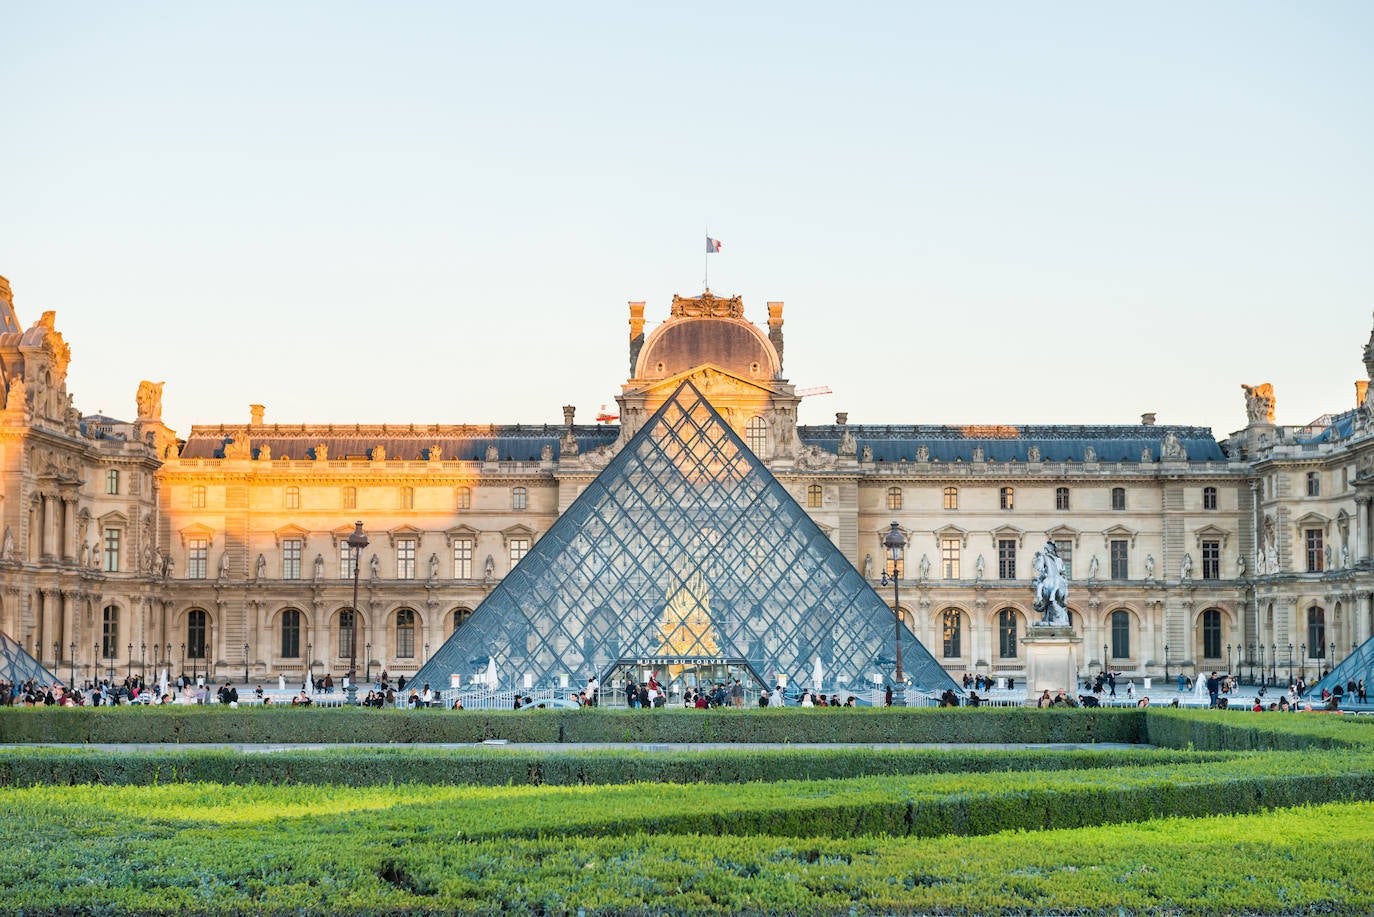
x=1051, y=587
x=1033, y=454
x=1089, y=454
x=1094, y=567
x=1170, y=449
x=1185, y=570
x=1259, y=402
x=923, y=453
x=1149, y=566
x=319, y=566
x=868, y=566
x=866, y=454
x=322, y=452
x=8, y=549
x=149, y=399
x=925, y=568
x=434, y=566
x=848, y=445
x=979, y=567
x=260, y=569
x=978, y=453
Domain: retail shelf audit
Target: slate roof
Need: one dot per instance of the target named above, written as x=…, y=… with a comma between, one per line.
x=1005, y=443
x=514, y=442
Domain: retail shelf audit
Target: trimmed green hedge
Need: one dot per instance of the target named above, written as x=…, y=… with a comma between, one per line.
x=1225, y=730
x=789, y=726
x=494, y=767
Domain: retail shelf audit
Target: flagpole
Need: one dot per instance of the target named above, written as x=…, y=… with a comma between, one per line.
x=706, y=264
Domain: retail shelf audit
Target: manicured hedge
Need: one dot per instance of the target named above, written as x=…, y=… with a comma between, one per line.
x=495, y=767
x=284, y=724
x=1224, y=730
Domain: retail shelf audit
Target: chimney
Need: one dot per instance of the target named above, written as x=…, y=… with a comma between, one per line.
x=1147, y=420
x=775, y=329
x=841, y=418
x=568, y=412
x=1361, y=392
x=636, y=333
x=255, y=414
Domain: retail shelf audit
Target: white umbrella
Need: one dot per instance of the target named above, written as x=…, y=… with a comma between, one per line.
x=491, y=672
x=162, y=683
x=817, y=676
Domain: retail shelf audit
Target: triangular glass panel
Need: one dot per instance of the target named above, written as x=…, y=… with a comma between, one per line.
x=17, y=666
x=685, y=555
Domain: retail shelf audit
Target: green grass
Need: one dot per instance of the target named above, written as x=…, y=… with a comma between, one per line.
x=1265, y=814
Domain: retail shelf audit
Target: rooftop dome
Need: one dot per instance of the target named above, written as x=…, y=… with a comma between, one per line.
x=707, y=329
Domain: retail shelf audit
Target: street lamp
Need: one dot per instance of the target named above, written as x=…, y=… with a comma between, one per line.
x=367, y=669
x=1302, y=661
x=1166, y=662
x=143, y=659
x=1250, y=653
x=1290, y=663
x=56, y=654
x=245, y=667
x=130, y=674
x=1274, y=663
x=895, y=542
x=356, y=542
x=72, y=659
x=183, y=658
x=426, y=652
x=95, y=658
x=1228, y=659
x=1104, y=660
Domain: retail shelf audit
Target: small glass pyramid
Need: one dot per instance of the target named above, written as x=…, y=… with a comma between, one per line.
x=17, y=666
x=687, y=556
x=1358, y=666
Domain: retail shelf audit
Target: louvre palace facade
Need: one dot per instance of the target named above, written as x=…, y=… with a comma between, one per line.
x=127, y=547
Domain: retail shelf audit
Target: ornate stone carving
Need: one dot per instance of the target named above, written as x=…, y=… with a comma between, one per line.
x=1145, y=456
x=1185, y=570
x=319, y=567
x=374, y=567
x=379, y=453
x=1033, y=454
x=708, y=305
x=923, y=453
x=1171, y=450
x=434, y=566
x=322, y=452
x=7, y=552
x=436, y=453
x=979, y=567
x=866, y=454
x=260, y=569
x=868, y=566
x=238, y=447
x=493, y=454
x=149, y=399
x=1051, y=587
x=816, y=458
x=567, y=445
x=546, y=453
x=848, y=445
x=1089, y=454
x=978, y=453
x=1094, y=567
x=1149, y=566
x=1259, y=402
x=924, y=568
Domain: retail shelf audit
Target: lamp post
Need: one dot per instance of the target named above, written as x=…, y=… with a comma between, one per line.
x=1290, y=663
x=1331, y=660
x=1228, y=659
x=56, y=654
x=95, y=659
x=895, y=542
x=356, y=542
x=1302, y=661
x=130, y=673
x=1104, y=660
x=143, y=660
x=72, y=659
x=426, y=652
x=1274, y=663
x=183, y=659
x=367, y=669
x=245, y=667
x=1166, y=662
x=1250, y=653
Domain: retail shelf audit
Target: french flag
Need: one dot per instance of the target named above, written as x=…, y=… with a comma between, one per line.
x=712, y=245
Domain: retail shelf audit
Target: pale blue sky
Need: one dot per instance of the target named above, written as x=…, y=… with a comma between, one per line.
x=436, y=212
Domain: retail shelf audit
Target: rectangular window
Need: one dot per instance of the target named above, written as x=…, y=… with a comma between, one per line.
x=111, y=551
x=1065, y=548
x=462, y=558
x=465, y=498
x=198, y=496
x=291, y=558
x=1006, y=498
x=813, y=496
x=112, y=481
x=1061, y=498
x=519, y=547
x=405, y=558
x=109, y=632
x=1209, y=498
x=1006, y=558
x=1120, y=568
x=1118, y=498
x=519, y=498
x=293, y=498
x=1314, y=484
x=197, y=557
x=949, y=557
x=345, y=561
x=1314, y=551
x=407, y=498
x=1211, y=560
x=345, y=633
x=350, y=498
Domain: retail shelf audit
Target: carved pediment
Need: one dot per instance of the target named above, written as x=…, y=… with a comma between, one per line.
x=953, y=531
x=461, y=532
x=291, y=530
x=1211, y=533
x=1313, y=520
x=517, y=531
x=1117, y=533
x=403, y=531
x=1009, y=532
x=114, y=519
x=1063, y=533
x=196, y=531
x=710, y=380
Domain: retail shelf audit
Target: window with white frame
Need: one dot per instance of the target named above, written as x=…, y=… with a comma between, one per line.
x=1314, y=484
x=109, y=632
x=519, y=498
x=112, y=481
x=291, y=549
x=1006, y=497
x=293, y=498
x=346, y=561
x=1065, y=548
x=1061, y=498
x=949, y=557
x=198, y=496
x=1209, y=498
x=197, y=557
x=1006, y=558
x=952, y=628
x=813, y=496
x=462, y=558
x=756, y=434
x=894, y=498
x=951, y=498
x=465, y=498
x=1211, y=559
x=1315, y=560
x=1121, y=634
x=406, y=549
x=519, y=547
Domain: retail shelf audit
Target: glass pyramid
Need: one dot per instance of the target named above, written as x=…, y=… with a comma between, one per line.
x=17, y=666
x=1358, y=665
x=685, y=555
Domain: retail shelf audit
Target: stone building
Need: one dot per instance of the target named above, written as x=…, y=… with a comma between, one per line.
x=125, y=547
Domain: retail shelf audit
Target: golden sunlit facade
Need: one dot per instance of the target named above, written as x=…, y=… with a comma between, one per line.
x=126, y=548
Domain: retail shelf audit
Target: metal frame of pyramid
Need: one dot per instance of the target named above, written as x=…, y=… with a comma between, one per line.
x=17, y=666
x=685, y=553
x=1358, y=665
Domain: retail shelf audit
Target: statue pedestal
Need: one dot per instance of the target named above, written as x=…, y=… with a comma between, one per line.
x=1050, y=663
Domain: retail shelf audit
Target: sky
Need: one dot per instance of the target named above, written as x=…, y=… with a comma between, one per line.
x=436, y=212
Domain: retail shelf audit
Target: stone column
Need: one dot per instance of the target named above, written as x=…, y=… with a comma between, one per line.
x=70, y=551
x=1362, y=503
x=48, y=613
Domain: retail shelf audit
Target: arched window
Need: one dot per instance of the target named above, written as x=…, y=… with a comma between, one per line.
x=1316, y=633
x=1006, y=633
x=405, y=634
x=894, y=498
x=346, y=632
x=1211, y=634
x=293, y=498
x=109, y=632
x=1118, y=498
x=460, y=617
x=290, y=634
x=1006, y=498
x=756, y=434
x=951, y=498
x=952, y=622
x=813, y=496
x=195, y=633
x=1209, y=498
x=1121, y=634
x=519, y=498
x=1061, y=498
